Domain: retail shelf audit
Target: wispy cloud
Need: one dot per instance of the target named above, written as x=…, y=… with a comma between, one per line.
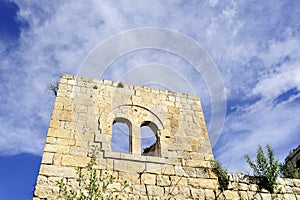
x=255, y=45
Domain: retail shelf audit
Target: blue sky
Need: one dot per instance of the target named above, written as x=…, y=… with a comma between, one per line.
x=254, y=44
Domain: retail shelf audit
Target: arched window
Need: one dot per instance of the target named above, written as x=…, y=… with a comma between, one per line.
x=121, y=131
x=150, y=144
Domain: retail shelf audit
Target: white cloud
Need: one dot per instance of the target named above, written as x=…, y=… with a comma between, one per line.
x=286, y=78
x=255, y=46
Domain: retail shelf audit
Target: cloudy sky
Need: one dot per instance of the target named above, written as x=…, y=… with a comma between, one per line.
x=255, y=46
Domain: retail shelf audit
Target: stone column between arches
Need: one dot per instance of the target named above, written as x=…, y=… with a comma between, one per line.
x=135, y=140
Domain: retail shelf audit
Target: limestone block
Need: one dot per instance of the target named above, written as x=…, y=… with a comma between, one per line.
x=42, y=180
x=233, y=185
x=46, y=191
x=243, y=195
x=71, y=82
x=79, y=151
x=290, y=196
x=257, y=196
x=56, y=148
x=57, y=159
x=168, y=170
x=203, y=173
x=183, y=191
x=250, y=195
x=75, y=161
x=149, y=179
x=220, y=195
x=296, y=190
x=136, y=167
x=180, y=181
x=115, y=186
x=243, y=186
x=279, y=189
x=131, y=177
x=197, y=163
x=139, y=189
x=209, y=195
x=288, y=189
x=203, y=183
x=266, y=196
x=47, y=158
x=179, y=171
x=59, y=133
x=153, y=168
x=60, y=171
x=162, y=180
x=120, y=165
x=65, y=115
x=64, y=141
x=198, y=193
x=297, y=182
x=155, y=190
x=289, y=182
x=51, y=140
x=102, y=138
x=253, y=187
x=231, y=194
x=53, y=180
x=54, y=123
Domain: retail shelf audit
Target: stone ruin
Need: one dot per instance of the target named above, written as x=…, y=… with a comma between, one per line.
x=178, y=165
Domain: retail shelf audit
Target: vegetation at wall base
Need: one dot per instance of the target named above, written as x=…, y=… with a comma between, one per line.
x=91, y=185
x=222, y=174
x=266, y=170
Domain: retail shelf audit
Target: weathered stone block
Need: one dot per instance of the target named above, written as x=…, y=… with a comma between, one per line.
x=203, y=183
x=60, y=171
x=198, y=194
x=56, y=148
x=149, y=179
x=47, y=158
x=162, y=180
x=59, y=133
x=74, y=161
x=155, y=190
x=209, y=194
x=139, y=189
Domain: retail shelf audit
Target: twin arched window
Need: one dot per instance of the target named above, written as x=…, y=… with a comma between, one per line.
x=125, y=137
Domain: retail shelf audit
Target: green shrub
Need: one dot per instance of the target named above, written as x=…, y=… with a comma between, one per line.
x=266, y=170
x=222, y=174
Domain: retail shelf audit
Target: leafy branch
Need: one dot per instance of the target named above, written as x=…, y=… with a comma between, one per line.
x=91, y=185
x=266, y=170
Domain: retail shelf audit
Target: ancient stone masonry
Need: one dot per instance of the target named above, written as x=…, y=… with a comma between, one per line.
x=177, y=166
x=293, y=162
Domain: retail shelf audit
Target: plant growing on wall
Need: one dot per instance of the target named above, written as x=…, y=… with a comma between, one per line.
x=289, y=171
x=265, y=169
x=222, y=174
x=91, y=185
x=53, y=87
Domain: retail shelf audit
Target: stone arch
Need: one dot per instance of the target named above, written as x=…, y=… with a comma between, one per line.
x=133, y=116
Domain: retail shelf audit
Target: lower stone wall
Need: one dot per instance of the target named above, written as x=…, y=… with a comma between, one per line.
x=165, y=183
x=244, y=187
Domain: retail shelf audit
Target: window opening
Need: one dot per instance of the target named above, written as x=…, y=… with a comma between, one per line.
x=149, y=139
x=121, y=129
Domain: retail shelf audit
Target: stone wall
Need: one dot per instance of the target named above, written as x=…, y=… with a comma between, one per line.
x=84, y=112
x=245, y=187
x=293, y=162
